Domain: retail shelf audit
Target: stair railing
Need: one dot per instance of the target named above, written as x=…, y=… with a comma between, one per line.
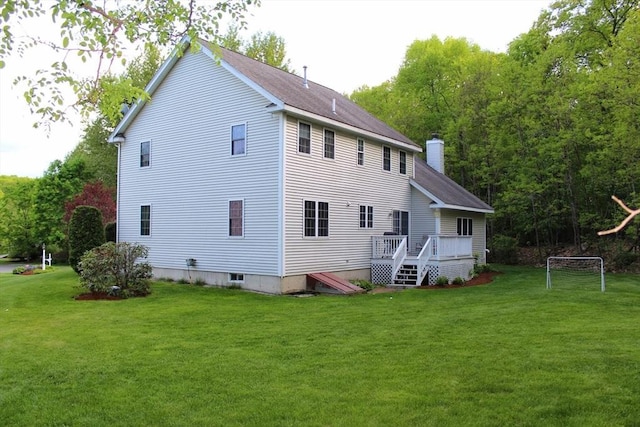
x=423, y=258
x=398, y=257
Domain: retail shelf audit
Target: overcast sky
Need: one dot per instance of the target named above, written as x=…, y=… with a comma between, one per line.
x=345, y=44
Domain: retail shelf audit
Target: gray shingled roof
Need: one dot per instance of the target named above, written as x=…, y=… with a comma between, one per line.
x=316, y=99
x=445, y=189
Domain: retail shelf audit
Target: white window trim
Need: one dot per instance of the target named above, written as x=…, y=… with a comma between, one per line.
x=469, y=221
x=145, y=236
x=400, y=152
x=316, y=236
x=390, y=158
x=244, y=207
x=140, y=153
x=324, y=132
x=240, y=280
x=246, y=139
x=310, y=139
x=358, y=152
x=366, y=218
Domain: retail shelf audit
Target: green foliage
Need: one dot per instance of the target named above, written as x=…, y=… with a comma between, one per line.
x=116, y=267
x=504, y=249
x=458, y=281
x=17, y=235
x=364, y=284
x=442, y=281
x=100, y=34
x=85, y=232
x=268, y=47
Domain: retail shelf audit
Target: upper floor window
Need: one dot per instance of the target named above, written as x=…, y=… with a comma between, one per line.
x=236, y=218
x=329, y=144
x=145, y=220
x=360, y=143
x=386, y=158
x=239, y=139
x=145, y=154
x=366, y=216
x=316, y=219
x=304, y=138
x=403, y=162
x=465, y=227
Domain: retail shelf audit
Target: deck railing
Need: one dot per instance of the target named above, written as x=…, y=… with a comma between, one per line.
x=446, y=247
x=423, y=258
x=385, y=246
x=399, y=256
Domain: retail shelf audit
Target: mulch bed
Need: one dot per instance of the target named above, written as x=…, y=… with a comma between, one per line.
x=481, y=279
x=92, y=296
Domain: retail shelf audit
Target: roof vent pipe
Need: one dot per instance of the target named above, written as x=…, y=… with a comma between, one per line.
x=333, y=106
x=305, y=82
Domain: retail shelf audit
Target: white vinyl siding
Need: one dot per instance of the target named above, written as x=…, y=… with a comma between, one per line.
x=423, y=221
x=345, y=186
x=192, y=179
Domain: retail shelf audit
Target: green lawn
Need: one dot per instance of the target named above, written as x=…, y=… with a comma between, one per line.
x=509, y=353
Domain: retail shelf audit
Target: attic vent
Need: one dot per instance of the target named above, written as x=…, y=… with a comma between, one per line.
x=333, y=106
x=305, y=82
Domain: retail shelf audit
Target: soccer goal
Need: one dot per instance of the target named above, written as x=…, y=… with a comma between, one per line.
x=572, y=271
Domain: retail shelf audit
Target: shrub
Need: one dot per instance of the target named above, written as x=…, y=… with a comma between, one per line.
x=442, y=281
x=458, y=281
x=115, y=268
x=505, y=249
x=85, y=233
x=110, y=232
x=364, y=284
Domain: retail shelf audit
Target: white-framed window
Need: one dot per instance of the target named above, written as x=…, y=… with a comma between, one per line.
x=329, y=144
x=366, y=216
x=401, y=223
x=304, y=138
x=403, y=162
x=236, y=277
x=236, y=218
x=386, y=158
x=360, y=155
x=239, y=139
x=465, y=226
x=145, y=154
x=145, y=220
x=316, y=219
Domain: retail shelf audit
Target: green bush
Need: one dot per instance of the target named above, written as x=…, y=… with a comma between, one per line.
x=458, y=281
x=364, y=284
x=85, y=232
x=442, y=281
x=115, y=268
x=110, y=232
x=504, y=249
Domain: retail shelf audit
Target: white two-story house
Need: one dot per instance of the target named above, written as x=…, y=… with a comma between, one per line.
x=236, y=172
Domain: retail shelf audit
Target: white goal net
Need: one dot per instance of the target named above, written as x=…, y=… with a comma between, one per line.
x=571, y=272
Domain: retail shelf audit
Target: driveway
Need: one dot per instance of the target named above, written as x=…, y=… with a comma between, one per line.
x=7, y=267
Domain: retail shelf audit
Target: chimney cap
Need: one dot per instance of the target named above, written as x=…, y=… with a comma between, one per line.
x=435, y=135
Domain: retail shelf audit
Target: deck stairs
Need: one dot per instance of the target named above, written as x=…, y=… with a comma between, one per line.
x=407, y=276
x=329, y=282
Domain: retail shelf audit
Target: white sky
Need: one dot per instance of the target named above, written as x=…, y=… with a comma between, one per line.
x=344, y=43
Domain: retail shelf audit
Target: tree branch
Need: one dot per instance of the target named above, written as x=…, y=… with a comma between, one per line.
x=632, y=213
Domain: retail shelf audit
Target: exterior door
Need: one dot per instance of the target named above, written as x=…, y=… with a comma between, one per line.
x=401, y=223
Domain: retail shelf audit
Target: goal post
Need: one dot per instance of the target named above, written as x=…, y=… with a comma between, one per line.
x=575, y=270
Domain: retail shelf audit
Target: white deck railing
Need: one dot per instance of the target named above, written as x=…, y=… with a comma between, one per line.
x=386, y=246
x=423, y=258
x=399, y=256
x=447, y=247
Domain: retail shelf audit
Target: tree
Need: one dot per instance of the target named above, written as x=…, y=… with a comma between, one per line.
x=100, y=33
x=97, y=195
x=16, y=217
x=85, y=233
x=268, y=47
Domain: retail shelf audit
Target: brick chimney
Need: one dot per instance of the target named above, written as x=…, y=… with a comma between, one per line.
x=435, y=153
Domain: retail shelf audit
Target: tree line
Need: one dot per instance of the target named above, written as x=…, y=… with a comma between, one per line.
x=546, y=133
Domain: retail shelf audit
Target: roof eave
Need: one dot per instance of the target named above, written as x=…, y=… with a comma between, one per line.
x=439, y=204
x=343, y=126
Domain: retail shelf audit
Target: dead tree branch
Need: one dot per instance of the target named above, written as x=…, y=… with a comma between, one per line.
x=632, y=213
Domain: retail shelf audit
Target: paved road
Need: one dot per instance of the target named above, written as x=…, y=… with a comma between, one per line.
x=7, y=267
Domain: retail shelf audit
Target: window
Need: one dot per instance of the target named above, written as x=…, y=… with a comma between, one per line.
x=386, y=158
x=465, y=227
x=236, y=216
x=329, y=144
x=236, y=277
x=145, y=220
x=145, y=154
x=238, y=140
x=401, y=223
x=304, y=138
x=316, y=219
x=366, y=216
x=360, y=151
x=403, y=162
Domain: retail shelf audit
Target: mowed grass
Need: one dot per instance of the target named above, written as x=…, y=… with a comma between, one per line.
x=508, y=353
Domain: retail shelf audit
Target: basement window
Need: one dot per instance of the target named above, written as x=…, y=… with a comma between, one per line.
x=236, y=277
